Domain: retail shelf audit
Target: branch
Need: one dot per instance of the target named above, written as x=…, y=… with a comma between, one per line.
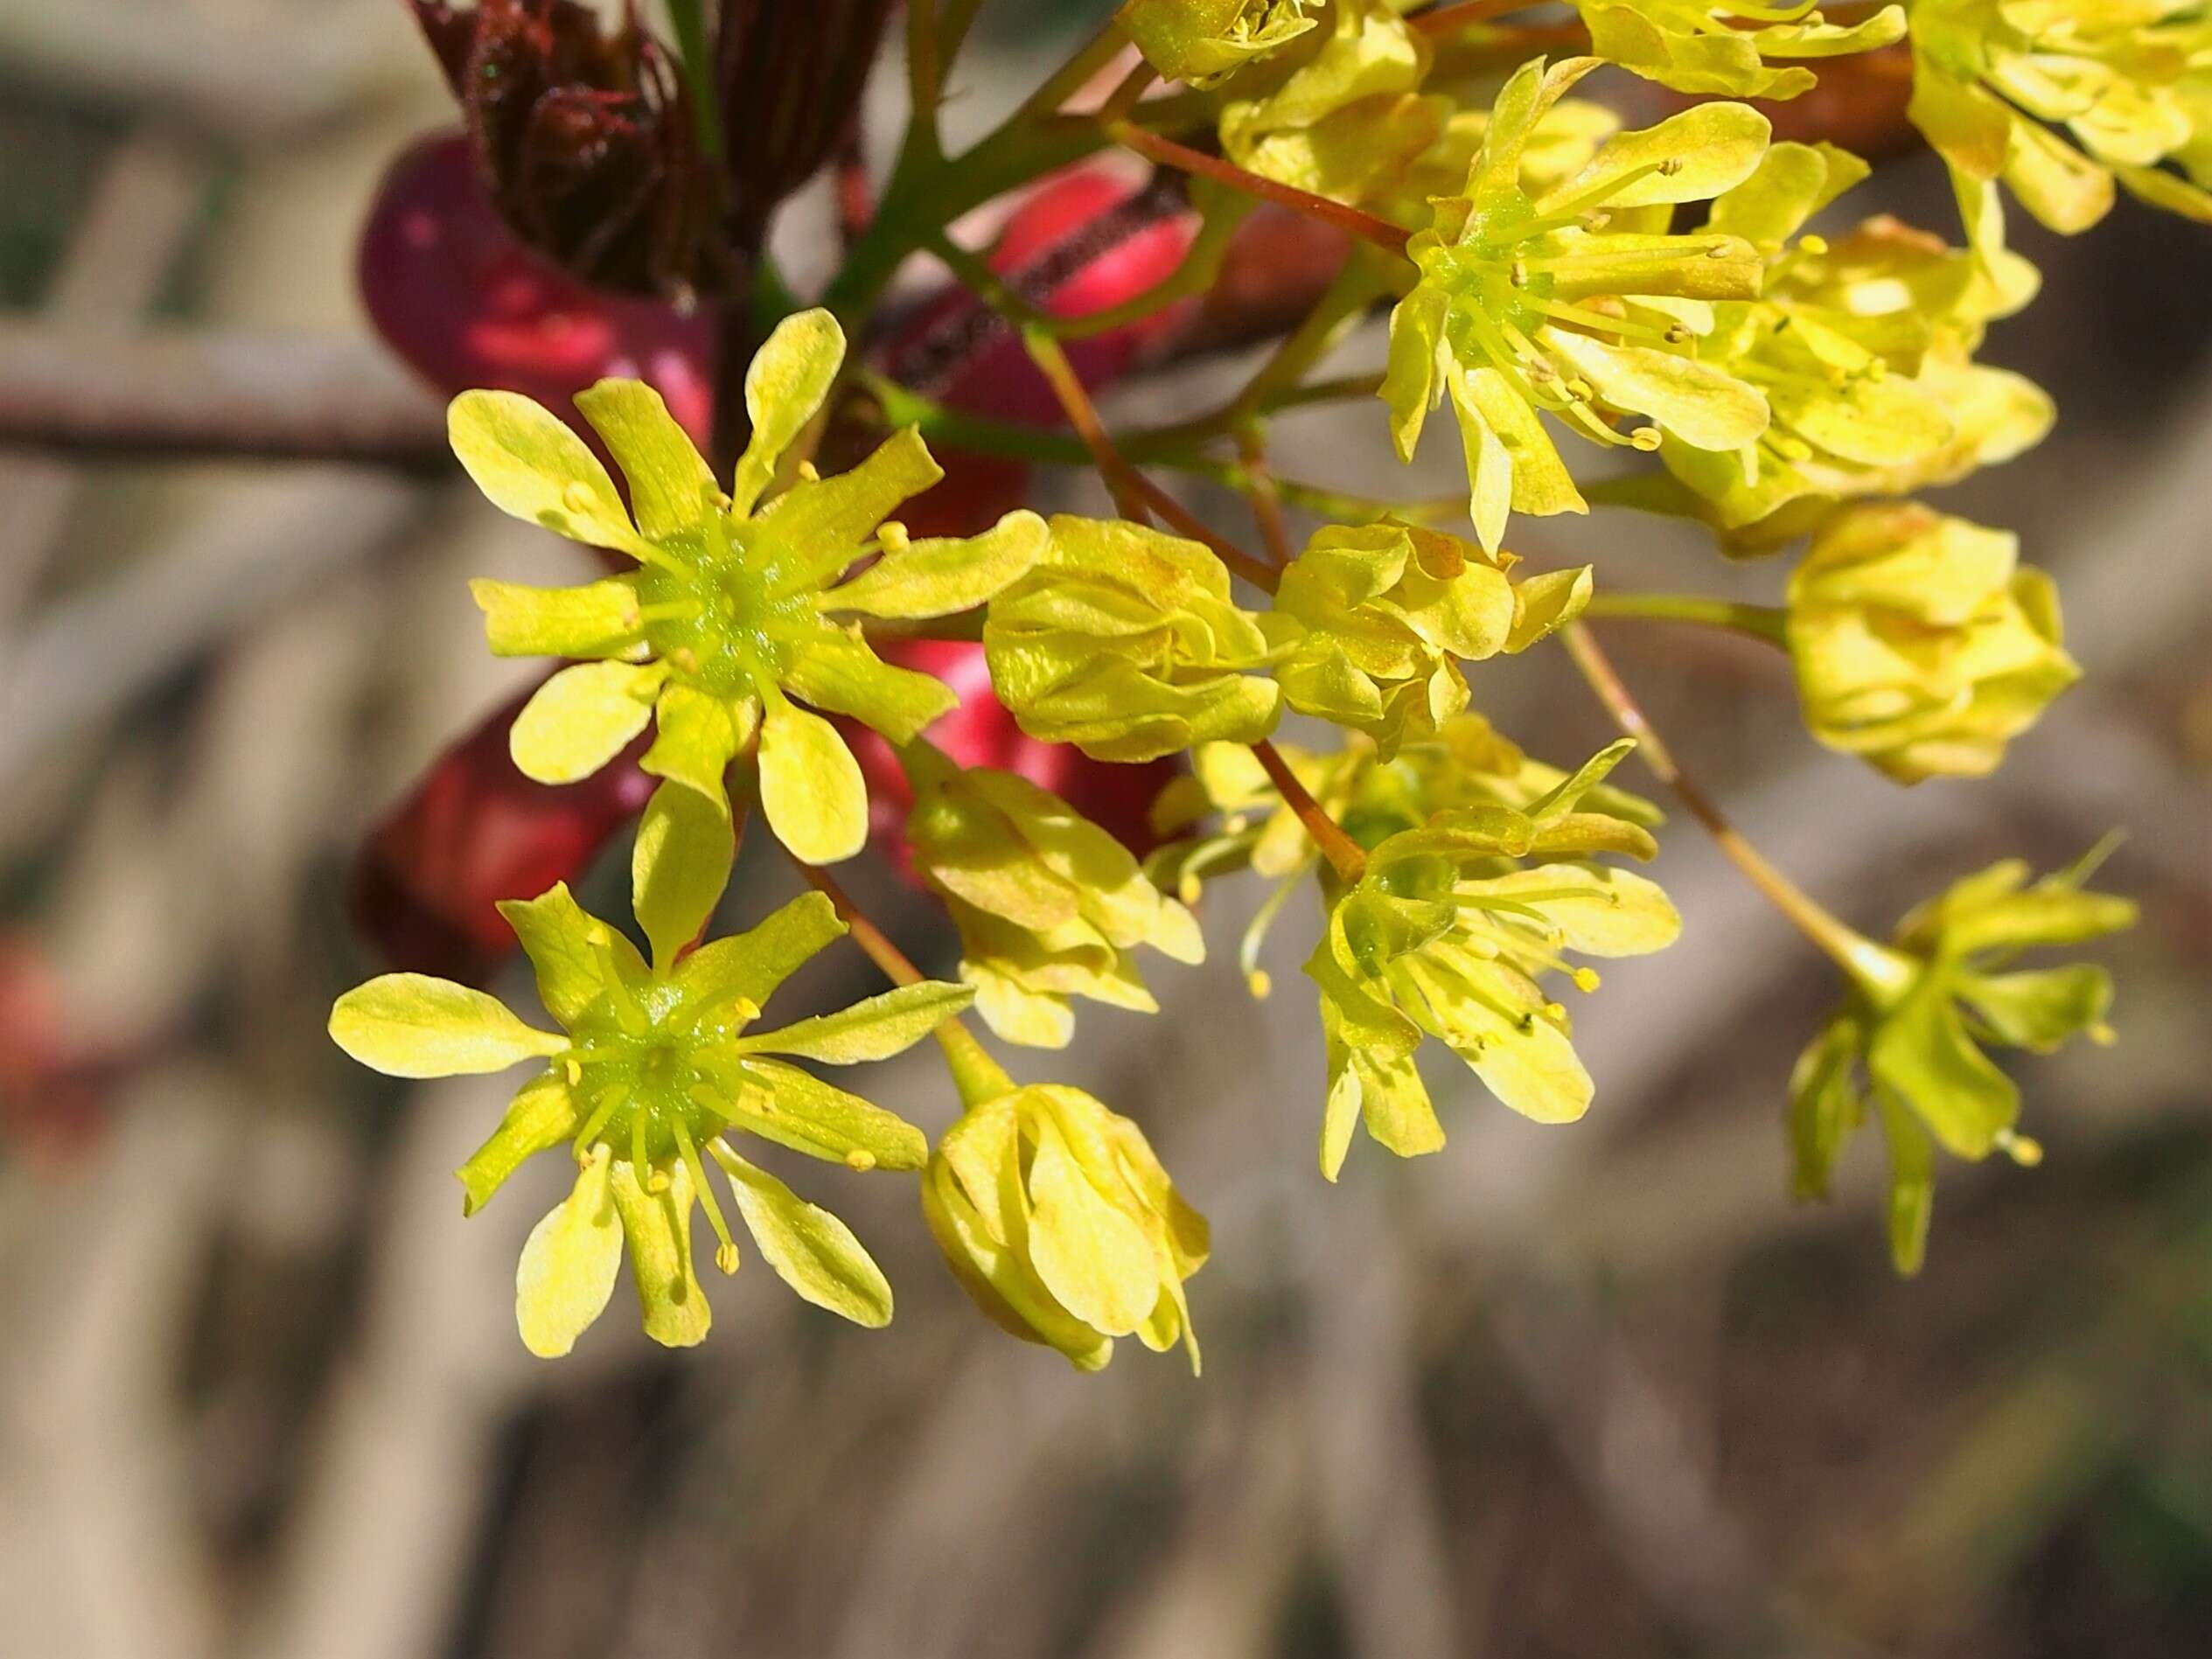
x=186, y=395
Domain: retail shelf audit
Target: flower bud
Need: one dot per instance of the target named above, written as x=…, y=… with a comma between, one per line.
x=1203, y=41
x=1920, y=645
x=1056, y=1216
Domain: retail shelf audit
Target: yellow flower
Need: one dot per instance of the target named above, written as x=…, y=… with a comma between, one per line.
x=729, y=626
x=1125, y=642
x=653, y=1066
x=1919, y=642
x=1204, y=41
x=1049, y=906
x=1058, y=1220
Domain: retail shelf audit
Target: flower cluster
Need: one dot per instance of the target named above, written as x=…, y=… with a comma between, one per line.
x=1668, y=294
x=1565, y=303
x=2127, y=82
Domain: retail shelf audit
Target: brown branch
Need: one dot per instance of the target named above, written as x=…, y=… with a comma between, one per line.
x=175, y=394
x=1345, y=855
x=1183, y=159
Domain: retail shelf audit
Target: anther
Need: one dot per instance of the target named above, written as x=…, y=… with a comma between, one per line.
x=1814, y=244
x=1645, y=438
x=1671, y=166
x=1586, y=979
x=809, y=473
x=577, y=497
x=1260, y=983
x=894, y=536
x=860, y=1160
x=726, y=1258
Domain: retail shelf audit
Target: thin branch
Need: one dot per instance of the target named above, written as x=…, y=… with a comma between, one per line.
x=1759, y=621
x=975, y=1074
x=1169, y=153
x=1345, y=855
x=181, y=395
x=1856, y=954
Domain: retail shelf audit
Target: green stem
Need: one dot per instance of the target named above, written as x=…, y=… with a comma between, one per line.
x=1769, y=623
x=688, y=19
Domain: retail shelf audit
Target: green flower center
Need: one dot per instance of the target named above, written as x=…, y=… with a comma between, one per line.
x=637, y=1067
x=721, y=613
x=1486, y=274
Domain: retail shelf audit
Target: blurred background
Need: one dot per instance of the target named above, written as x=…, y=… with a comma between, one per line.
x=1590, y=1391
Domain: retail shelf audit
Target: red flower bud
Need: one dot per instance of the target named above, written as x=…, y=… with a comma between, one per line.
x=474, y=830
x=454, y=292
x=1085, y=241
x=587, y=139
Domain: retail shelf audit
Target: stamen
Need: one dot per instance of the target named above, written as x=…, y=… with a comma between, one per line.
x=610, y=1103
x=726, y=1254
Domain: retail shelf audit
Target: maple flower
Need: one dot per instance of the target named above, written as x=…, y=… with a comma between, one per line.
x=1055, y=1214
x=1049, y=906
x=653, y=1066
x=1467, y=761
x=2127, y=82
x=1124, y=641
x=1203, y=41
x=1920, y=644
x=1559, y=303
x=1445, y=934
x=1389, y=610
x=731, y=614
x=1697, y=46
x=1915, y=1023
x=1863, y=348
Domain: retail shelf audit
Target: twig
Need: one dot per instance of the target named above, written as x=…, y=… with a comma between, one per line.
x=1182, y=157
x=1345, y=855
x=1856, y=954
x=183, y=395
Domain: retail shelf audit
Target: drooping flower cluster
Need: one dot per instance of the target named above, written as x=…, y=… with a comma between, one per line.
x=1786, y=384
x=1917, y=1021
